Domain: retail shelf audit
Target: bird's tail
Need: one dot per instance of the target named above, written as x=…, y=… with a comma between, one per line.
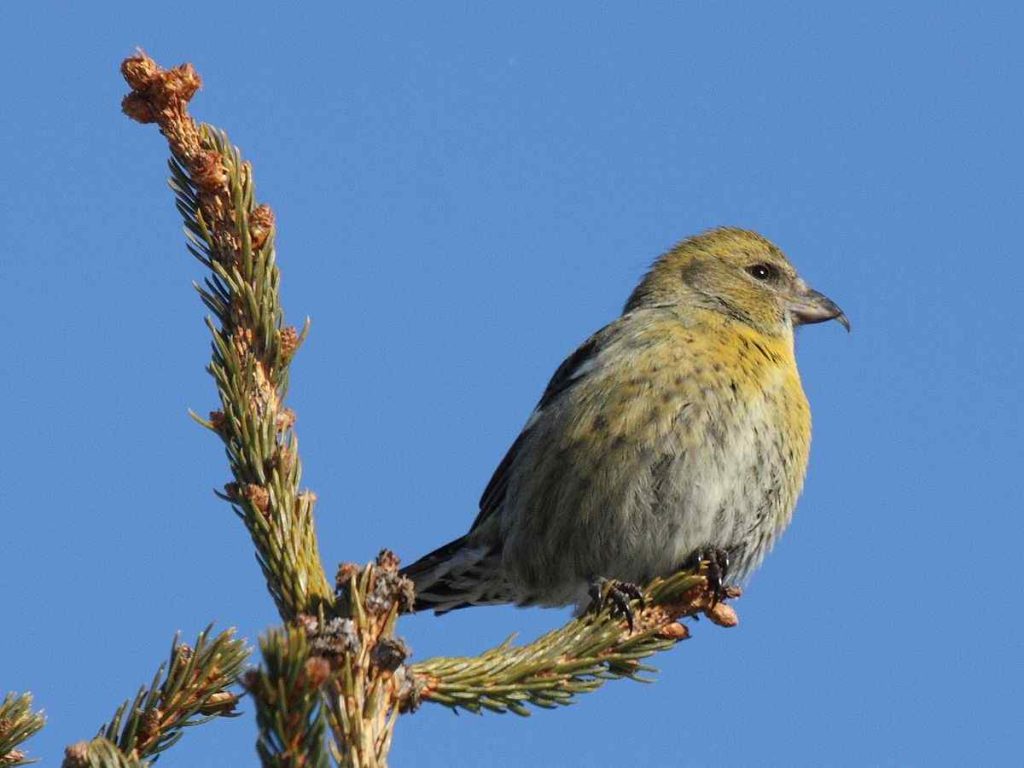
x=458, y=575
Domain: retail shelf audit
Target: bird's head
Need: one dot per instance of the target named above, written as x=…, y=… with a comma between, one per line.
x=740, y=274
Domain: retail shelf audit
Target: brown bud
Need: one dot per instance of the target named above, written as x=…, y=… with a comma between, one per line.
x=138, y=108
x=261, y=223
x=208, y=171
x=723, y=615
x=76, y=755
x=220, y=703
x=139, y=71
x=389, y=653
x=14, y=757
x=149, y=725
x=258, y=496
x=182, y=82
x=218, y=420
x=344, y=575
x=674, y=631
x=387, y=560
x=318, y=670
x=288, y=341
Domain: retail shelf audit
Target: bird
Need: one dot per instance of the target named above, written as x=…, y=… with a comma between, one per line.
x=678, y=432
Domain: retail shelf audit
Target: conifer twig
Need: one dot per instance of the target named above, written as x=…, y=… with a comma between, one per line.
x=189, y=689
x=286, y=690
x=233, y=237
x=577, y=658
x=17, y=724
x=372, y=684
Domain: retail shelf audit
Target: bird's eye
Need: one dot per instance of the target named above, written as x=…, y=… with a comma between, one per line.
x=763, y=271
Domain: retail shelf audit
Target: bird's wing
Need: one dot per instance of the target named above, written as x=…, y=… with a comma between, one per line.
x=572, y=369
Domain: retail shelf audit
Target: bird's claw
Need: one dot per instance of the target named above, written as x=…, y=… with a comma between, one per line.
x=619, y=594
x=716, y=564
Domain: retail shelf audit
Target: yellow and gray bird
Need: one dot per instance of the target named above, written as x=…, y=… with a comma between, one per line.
x=676, y=433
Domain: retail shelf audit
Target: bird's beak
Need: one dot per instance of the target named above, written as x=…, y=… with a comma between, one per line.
x=809, y=306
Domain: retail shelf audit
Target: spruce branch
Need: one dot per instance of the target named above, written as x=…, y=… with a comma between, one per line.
x=189, y=689
x=371, y=684
x=18, y=723
x=286, y=690
x=577, y=658
x=233, y=237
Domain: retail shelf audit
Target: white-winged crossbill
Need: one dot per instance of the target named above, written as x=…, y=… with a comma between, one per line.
x=678, y=430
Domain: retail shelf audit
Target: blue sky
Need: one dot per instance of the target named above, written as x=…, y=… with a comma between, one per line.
x=464, y=194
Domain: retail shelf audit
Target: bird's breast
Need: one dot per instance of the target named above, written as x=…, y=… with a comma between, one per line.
x=739, y=477
x=686, y=440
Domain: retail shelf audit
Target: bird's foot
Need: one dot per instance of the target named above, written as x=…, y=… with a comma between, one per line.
x=619, y=594
x=715, y=563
